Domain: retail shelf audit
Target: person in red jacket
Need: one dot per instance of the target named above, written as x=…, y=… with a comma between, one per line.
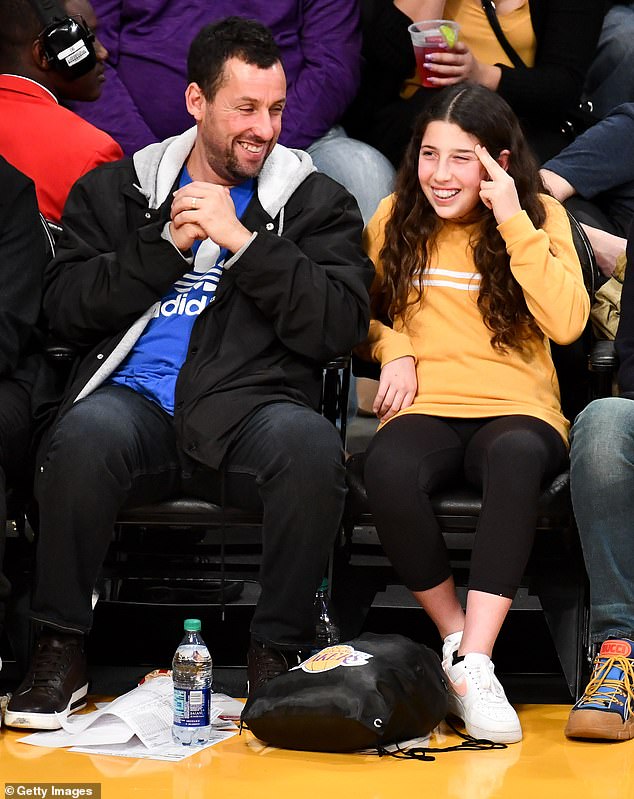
x=36, y=132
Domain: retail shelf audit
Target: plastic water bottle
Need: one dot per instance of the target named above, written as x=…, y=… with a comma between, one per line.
x=192, y=676
x=326, y=629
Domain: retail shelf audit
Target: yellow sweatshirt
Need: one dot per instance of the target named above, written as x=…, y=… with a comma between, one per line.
x=459, y=373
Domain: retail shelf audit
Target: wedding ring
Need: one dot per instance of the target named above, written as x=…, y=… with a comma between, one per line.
x=194, y=203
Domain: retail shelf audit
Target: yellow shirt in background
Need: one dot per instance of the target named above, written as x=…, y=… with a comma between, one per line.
x=479, y=37
x=459, y=373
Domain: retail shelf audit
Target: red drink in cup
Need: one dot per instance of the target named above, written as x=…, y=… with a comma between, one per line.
x=433, y=44
x=432, y=36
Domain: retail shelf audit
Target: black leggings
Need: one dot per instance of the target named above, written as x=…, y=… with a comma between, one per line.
x=508, y=457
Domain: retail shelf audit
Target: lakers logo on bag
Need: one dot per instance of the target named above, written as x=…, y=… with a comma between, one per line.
x=334, y=656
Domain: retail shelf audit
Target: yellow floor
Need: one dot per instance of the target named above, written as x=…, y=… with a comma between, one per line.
x=544, y=765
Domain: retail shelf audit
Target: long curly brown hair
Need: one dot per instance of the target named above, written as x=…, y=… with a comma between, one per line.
x=413, y=227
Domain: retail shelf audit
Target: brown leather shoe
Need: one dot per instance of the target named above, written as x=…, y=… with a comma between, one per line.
x=265, y=663
x=55, y=683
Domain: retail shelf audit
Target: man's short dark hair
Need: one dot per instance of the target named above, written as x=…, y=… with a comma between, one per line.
x=19, y=27
x=233, y=37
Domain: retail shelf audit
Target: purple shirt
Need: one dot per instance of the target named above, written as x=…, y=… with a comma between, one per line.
x=143, y=98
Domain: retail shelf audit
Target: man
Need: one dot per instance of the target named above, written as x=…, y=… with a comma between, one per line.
x=49, y=143
x=210, y=277
x=22, y=259
x=602, y=483
x=320, y=45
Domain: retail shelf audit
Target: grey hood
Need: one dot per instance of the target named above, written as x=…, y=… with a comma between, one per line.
x=158, y=166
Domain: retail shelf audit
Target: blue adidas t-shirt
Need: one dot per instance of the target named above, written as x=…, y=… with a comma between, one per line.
x=153, y=365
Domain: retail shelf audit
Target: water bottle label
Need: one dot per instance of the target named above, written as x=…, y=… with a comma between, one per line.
x=192, y=707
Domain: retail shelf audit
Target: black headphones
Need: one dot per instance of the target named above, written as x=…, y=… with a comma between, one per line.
x=68, y=42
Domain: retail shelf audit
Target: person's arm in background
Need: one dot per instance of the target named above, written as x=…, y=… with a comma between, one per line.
x=115, y=111
x=559, y=187
x=329, y=76
x=418, y=10
x=567, y=33
x=387, y=45
x=598, y=161
x=606, y=246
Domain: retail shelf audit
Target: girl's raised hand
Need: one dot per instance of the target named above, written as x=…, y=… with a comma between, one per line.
x=397, y=387
x=498, y=192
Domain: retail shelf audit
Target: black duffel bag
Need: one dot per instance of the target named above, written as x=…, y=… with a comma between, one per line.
x=366, y=693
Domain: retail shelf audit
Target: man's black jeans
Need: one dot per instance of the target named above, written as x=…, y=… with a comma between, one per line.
x=116, y=448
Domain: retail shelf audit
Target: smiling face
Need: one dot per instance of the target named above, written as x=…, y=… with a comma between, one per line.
x=449, y=170
x=238, y=128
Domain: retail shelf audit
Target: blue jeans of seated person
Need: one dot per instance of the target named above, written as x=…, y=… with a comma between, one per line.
x=364, y=171
x=602, y=485
x=116, y=448
x=610, y=79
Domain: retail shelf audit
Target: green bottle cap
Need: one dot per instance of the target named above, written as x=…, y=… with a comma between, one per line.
x=192, y=625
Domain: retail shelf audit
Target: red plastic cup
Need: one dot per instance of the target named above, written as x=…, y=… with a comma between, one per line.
x=432, y=36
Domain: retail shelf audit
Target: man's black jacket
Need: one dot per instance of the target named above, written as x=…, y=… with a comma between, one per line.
x=294, y=298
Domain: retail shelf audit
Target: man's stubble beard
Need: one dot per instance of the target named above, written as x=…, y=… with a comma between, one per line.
x=230, y=167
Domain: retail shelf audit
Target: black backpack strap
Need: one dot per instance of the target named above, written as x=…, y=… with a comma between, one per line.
x=469, y=743
x=488, y=7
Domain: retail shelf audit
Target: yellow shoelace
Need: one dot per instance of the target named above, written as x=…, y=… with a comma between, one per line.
x=619, y=691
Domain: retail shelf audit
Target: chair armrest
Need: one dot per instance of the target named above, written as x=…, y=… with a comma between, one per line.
x=603, y=356
x=334, y=393
x=338, y=363
x=362, y=368
x=59, y=351
x=603, y=364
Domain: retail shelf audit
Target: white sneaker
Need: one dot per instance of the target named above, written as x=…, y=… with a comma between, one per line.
x=450, y=645
x=476, y=697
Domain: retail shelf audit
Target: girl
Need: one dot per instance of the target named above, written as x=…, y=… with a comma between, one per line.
x=476, y=270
